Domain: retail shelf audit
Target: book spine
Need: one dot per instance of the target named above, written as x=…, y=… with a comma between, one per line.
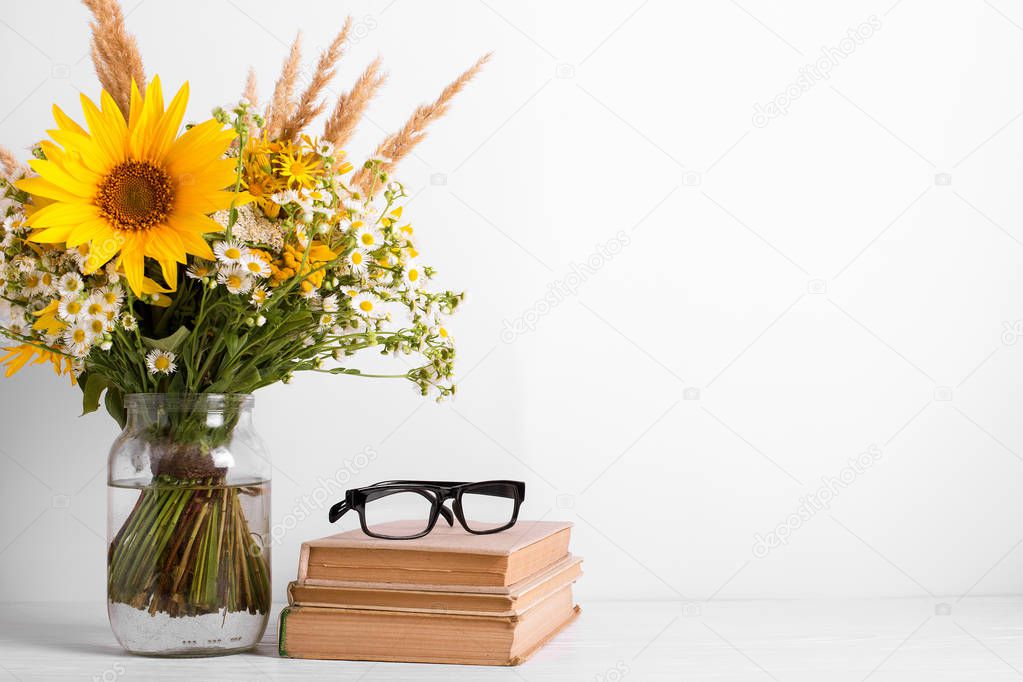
x=303, y=563
x=282, y=632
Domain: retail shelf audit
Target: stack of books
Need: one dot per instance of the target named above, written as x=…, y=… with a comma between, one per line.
x=448, y=597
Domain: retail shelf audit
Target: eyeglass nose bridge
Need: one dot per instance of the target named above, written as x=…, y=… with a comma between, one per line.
x=447, y=513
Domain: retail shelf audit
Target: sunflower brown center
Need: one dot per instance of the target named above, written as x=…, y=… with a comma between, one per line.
x=135, y=195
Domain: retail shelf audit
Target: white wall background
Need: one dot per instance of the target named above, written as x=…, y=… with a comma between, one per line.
x=791, y=295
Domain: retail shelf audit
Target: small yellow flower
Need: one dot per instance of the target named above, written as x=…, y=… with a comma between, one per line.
x=19, y=356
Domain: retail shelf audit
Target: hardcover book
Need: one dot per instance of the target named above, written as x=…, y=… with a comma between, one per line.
x=376, y=635
x=509, y=601
x=445, y=557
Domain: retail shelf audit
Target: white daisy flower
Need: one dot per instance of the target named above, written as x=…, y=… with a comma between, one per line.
x=27, y=264
x=48, y=280
x=71, y=308
x=413, y=275
x=235, y=279
x=312, y=295
x=260, y=295
x=97, y=326
x=113, y=276
x=32, y=284
x=367, y=238
x=325, y=148
x=128, y=322
x=367, y=304
x=160, y=362
x=200, y=269
x=113, y=295
x=288, y=196
x=229, y=253
x=329, y=304
x=70, y=283
x=96, y=306
x=357, y=262
x=77, y=339
x=255, y=265
x=326, y=320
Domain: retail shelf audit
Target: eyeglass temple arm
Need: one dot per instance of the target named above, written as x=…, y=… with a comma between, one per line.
x=410, y=481
x=339, y=510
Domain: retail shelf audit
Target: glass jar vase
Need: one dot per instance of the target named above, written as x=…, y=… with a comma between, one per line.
x=188, y=560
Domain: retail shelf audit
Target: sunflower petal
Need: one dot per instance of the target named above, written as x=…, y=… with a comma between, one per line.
x=59, y=214
x=45, y=188
x=113, y=113
x=167, y=128
x=104, y=246
x=66, y=122
x=104, y=135
x=49, y=170
x=86, y=232
x=135, y=105
x=51, y=235
x=133, y=262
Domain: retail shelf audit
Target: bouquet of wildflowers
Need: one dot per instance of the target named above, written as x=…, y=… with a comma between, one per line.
x=143, y=254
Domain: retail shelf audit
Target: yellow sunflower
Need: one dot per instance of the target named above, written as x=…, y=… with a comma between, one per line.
x=133, y=187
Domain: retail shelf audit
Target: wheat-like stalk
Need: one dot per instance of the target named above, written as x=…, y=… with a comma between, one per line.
x=251, y=93
x=309, y=104
x=398, y=145
x=278, y=110
x=9, y=162
x=350, y=106
x=115, y=53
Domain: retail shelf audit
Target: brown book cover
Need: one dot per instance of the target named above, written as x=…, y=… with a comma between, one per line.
x=451, y=599
x=446, y=556
x=401, y=636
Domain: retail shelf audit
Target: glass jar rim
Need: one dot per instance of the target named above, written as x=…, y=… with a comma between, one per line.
x=209, y=401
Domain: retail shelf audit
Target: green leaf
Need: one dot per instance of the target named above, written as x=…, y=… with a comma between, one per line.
x=235, y=344
x=168, y=343
x=115, y=405
x=92, y=388
x=240, y=382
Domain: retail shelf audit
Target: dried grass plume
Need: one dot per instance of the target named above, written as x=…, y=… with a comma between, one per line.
x=309, y=104
x=340, y=126
x=280, y=106
x=251, y=93
x=398, y=145
x=11, y=166
x=115, y=53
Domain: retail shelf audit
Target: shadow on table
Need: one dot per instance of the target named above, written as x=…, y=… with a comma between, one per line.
x=65, y=636
x=76, y=630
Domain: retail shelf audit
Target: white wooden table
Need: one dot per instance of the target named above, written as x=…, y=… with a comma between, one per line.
x=898, y=639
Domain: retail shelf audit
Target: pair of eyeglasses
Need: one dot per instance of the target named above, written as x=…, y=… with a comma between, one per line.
x=481, y=508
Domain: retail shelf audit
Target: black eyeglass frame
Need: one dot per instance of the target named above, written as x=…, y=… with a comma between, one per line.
x=437, y=492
